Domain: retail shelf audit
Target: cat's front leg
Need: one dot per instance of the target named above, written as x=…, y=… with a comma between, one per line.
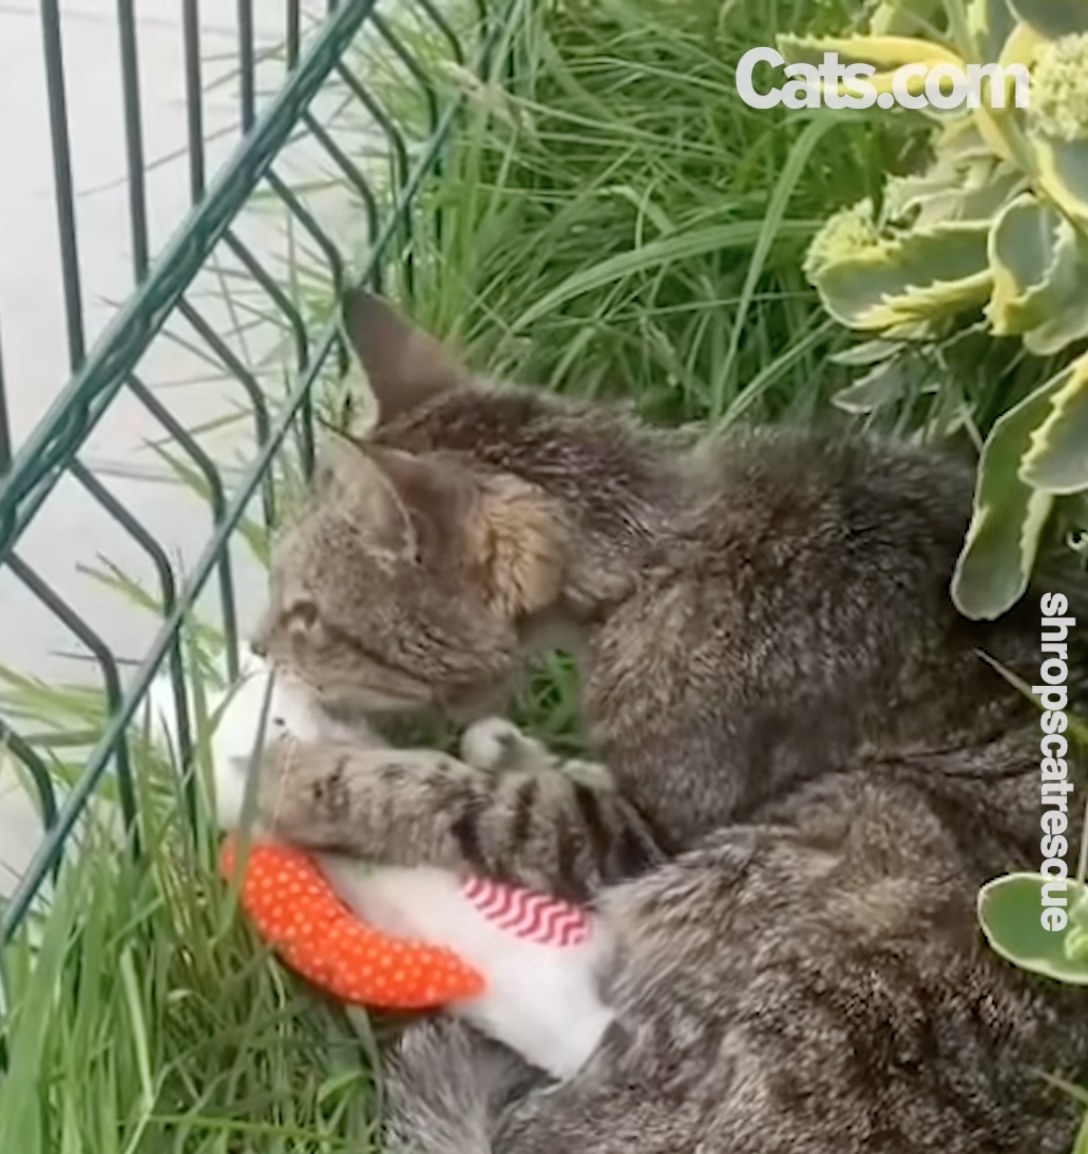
x=542, y=829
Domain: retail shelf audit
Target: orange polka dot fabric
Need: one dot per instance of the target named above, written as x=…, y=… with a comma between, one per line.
x=293, y=908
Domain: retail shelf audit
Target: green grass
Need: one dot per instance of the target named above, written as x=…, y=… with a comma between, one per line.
x=142, y=1014
x=614, y=222
x=143, y=1019
x=617, y=222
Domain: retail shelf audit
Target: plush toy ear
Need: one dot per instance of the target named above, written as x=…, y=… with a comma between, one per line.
x=505, y=529
x=404, y=365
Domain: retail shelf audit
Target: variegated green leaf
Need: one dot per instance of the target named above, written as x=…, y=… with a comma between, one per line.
x=1003, y=540
x=1040, y=271
x=999, y=120
x=905, y=195
x=990, y=24
x=884, y=383
x=885, y=54
x=878, y=387
x=1053, y=18
x=1057, y=460
x=916, y=277
x=958, y=142
x=1063, y=329
x=964, y=166
x=865, y=354
x=904, y=17
x=976, y=191
x=984, y=199
x=1010, y=912
x=1063, y=174
x=1067, y=325
x=1021, y=46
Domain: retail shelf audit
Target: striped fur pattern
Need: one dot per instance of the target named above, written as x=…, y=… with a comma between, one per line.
x=541, y=827
x=813, y=768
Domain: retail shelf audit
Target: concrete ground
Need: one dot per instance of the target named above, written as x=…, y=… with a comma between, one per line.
x=71, y=531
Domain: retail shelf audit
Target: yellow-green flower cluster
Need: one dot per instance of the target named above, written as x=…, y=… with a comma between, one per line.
x=1058, y=105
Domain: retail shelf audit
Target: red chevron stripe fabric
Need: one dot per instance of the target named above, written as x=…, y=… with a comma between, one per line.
x=535, y=917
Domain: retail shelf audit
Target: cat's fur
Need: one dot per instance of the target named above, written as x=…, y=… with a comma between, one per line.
x=788, y=703
x=525, y=978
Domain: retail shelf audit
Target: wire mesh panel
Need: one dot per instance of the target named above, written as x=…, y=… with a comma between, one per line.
x=136, y=506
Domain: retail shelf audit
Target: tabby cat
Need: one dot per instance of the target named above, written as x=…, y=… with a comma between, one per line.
x=814, y=767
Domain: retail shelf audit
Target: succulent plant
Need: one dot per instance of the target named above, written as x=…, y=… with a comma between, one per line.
x=991, y=235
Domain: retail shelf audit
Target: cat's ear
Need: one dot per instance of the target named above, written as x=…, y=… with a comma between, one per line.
x=338, y=462
x=349, y=479
x=404, y=365
x=505, y=532
x=432, y=498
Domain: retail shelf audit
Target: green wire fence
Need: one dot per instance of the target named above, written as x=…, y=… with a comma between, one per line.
x=322, y=53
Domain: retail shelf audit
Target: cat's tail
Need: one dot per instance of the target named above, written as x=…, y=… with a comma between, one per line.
x=446, y=1089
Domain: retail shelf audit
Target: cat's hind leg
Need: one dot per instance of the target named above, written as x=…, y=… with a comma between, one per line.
x=450, y=1092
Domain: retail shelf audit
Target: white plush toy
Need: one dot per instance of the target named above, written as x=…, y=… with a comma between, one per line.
x=541, y=959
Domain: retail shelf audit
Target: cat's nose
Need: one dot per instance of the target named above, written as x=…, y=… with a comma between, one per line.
x=258, y=647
